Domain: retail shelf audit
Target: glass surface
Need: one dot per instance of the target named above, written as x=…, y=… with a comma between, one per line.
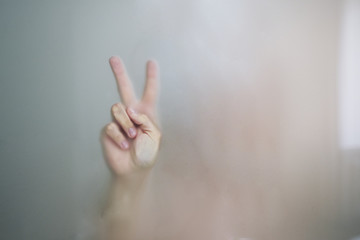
x=259, y=110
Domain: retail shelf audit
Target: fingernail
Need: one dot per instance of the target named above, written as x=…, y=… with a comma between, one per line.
x=132, y=132
x=124, y=145
x=131, y=111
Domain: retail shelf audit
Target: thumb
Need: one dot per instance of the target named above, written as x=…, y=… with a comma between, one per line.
x=144, y=122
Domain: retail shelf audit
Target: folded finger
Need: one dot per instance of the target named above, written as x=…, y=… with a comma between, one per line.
x=112, y=130
x=144, y=123
x=122, y=118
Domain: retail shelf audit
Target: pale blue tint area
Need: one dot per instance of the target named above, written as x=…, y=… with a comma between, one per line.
x=259, y=110
x=38, y=129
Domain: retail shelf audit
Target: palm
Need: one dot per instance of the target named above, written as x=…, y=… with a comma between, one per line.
x=124, y=161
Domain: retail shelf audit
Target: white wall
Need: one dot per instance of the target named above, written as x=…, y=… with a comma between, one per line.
x=349, y=113
x=349, y=83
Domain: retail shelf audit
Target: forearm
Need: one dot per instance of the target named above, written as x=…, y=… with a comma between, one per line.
x=123, y=206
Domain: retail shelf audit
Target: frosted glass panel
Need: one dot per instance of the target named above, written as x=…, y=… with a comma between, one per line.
x=259, y=111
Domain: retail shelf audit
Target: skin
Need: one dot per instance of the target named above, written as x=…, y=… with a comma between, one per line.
x=130, y=143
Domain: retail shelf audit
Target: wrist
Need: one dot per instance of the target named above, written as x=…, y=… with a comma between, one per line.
x=132, y=181
x=125, y=195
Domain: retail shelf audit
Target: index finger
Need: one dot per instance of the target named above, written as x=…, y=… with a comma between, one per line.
x=124, y=85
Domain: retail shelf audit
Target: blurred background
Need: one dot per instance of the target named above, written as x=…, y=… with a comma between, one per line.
x=259, y=106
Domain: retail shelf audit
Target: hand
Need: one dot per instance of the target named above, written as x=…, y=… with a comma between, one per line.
x=131, y=141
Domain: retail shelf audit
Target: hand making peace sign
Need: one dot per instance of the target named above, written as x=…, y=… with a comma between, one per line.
x=131, y=141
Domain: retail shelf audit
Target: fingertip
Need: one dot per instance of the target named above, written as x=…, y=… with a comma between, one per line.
x=132, y=132
x=152, y=67
x=124, y=145
x=136, y=117
x=152, y=61
x=115, y=61
x=131, y=111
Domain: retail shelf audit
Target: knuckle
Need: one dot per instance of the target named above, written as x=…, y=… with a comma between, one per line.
x=115, y=108
x=109, y=128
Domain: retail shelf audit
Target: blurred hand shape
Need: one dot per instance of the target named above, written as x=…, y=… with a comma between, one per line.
x=131, y=141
